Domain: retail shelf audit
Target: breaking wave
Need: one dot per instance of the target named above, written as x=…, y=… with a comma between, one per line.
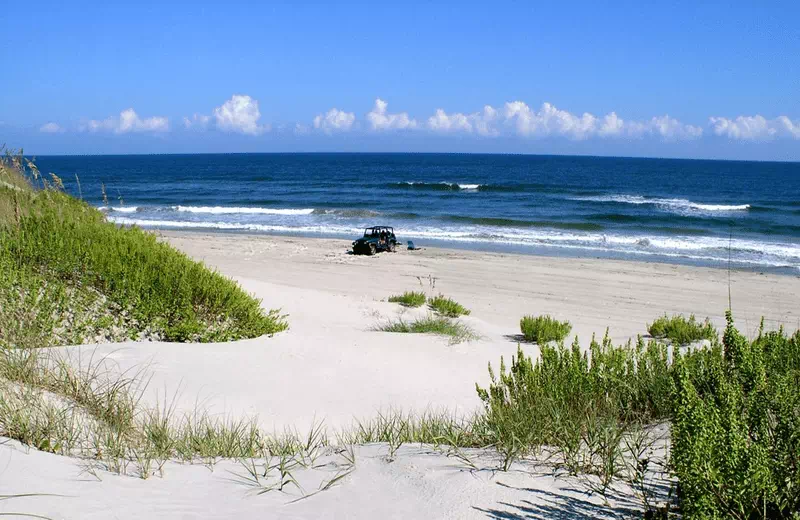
x=703, y=248
x=676, y=205
x=226, y=210
x=346, y=213
x=119, y=209
x=435, y=186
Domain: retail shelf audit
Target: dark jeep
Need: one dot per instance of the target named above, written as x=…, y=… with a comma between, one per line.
x=377, y=238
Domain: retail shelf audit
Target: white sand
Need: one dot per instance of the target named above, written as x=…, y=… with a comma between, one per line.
x=332, y=367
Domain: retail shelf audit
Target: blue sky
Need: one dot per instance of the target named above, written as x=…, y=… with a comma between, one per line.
x=675, y=79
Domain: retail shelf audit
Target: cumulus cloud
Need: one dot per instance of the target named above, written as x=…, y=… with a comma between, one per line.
x=548, y=121
x=551, y=121
x=379, y=119
x=128, y=121
x=50, y=128
x=755, y=128
x=197, y=122
x=788, y=127
x=481, y=123
x=239, y=114
x=670, y=128
x=334, y=120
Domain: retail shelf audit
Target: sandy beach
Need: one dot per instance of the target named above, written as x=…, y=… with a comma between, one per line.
x=332, y=367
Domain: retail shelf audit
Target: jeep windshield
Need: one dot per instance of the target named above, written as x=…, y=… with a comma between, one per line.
x=370, y=232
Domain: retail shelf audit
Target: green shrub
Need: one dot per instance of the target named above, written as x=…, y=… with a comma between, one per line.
x=64, y=267
x=736, y=428
x=447, y=307
x=457, y=331
x=542, y=329
x=409, y=299
x=582, y=406
x=681, y=331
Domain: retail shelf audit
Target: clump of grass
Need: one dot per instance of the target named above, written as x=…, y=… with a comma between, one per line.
x=580, y=408
x=67, y=275
x=83, y=408
x=542, y=329
x=681, y=331
x=447, y=307
x=457, y=332
x=409, y=299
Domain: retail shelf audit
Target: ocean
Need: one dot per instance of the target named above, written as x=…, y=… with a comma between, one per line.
x=718, y=213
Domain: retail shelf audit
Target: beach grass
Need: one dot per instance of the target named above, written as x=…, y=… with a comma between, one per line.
x=447, y=307
x=68, y=276
x=680, y=330
x=543, y=329
x=409, y=299
x=457, y=331
x=731, y=409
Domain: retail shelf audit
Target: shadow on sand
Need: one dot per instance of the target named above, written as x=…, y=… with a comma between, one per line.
x=546, y=505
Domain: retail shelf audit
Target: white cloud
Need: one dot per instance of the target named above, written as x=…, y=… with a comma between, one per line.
x=755, y=128
x=551, y=121
x=197, y=121
x=613, y=125
x=481, y=123
x=671, y=129
x=380, y=120
x=788, y=127
x=666, y=127
x=51, y=128
x=239, y=114
x=334, y=120
x=548, y=121
x=128, y=121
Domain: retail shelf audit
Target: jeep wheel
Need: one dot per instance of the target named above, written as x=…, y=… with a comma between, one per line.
x=372, y=249
x=392, y=247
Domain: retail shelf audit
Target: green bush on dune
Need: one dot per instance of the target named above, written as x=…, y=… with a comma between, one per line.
x=733, y=410
x=736, y=427
x=542, y=329
x=681, y=331
x=68, y=274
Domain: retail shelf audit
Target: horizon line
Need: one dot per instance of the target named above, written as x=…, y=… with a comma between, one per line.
x=516, y=154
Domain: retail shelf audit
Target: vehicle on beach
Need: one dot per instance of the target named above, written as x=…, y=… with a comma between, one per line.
x=375, y=239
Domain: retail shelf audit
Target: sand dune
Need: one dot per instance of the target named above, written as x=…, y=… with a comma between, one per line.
x=331, y=366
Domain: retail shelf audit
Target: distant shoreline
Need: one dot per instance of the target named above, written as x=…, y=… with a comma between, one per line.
x=503, y=249
x=499, y=249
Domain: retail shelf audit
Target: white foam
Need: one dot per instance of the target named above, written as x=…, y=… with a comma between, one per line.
x=713, y=249
x=452, y=185
x=223, y=210
x=680, y=205
x=120, y=209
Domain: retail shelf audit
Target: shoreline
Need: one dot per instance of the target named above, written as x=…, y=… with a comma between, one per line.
x=509, y=249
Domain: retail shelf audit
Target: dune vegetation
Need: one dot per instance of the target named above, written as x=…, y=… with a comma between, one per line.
x=543, y=329
x=455, y=330
x=681, y=331
x=447, y=307
x=732, y=411
x=68, y=276
x=409, y=299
